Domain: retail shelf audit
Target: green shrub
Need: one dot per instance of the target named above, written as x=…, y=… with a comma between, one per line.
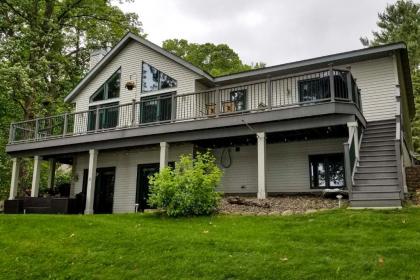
x=63, y=177
x=188, y=189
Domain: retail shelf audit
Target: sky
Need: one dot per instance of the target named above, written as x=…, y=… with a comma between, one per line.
x=270, y=31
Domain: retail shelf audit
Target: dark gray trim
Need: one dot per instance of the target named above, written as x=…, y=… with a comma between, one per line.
x=275, y=121
x=399, y=167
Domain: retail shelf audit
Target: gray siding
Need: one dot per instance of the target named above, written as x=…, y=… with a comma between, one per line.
x=126, y=162
x=377, y=80
x=287, y=166
x=130, y=60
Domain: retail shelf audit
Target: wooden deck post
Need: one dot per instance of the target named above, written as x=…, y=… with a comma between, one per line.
x=74, y=174
x=90, y=190
x=347, y=170
x=261, y=149
x=97, y=119
x=133, y=113
x=36, y=175
x=14, y=182
x=164, y=152
x=349, y=87
x=332, y=87
x=269, y=94
x=217, y=102
x=173, y=107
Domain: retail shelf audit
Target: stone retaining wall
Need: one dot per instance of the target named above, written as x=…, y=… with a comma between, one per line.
x=413, y=178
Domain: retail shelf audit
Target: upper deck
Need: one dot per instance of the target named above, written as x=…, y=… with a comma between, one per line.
x=310, y=94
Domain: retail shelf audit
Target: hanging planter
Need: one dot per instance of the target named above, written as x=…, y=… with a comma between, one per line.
x=130, y=85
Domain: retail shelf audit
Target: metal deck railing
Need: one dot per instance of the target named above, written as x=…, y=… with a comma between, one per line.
x=330, y=85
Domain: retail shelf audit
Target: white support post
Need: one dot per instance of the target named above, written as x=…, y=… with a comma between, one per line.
x=51, y=173
x=164, y=152
x=15, y=178
x=353, y=131
x=90, y=190
x=36, y=175
x=261, y=149
x=74, y=176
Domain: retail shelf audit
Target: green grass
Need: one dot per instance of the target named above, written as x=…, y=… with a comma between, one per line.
x=339, y=244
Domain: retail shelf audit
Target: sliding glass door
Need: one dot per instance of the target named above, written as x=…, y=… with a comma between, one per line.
x=156, y=108
x=108, y=116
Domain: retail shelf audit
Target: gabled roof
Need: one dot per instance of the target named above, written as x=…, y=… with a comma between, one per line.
x=117, y=48
x=303, y=65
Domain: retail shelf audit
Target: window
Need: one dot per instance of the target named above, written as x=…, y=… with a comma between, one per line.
x=327, y=171
x=314, y=89
x=156, y=108
x=108, y=116
x=110, y=89
x=154, y=79
x=238, y=97
x=319, y=88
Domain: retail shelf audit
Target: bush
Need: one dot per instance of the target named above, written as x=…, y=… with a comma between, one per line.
x=188, y=189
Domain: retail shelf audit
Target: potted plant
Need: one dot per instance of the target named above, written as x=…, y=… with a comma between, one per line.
x=130, y=85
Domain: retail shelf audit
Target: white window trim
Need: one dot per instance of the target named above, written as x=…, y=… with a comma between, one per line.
x=159, y=92
x=100, y=102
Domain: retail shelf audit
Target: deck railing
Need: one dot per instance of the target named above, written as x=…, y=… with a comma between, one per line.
x=330, y=85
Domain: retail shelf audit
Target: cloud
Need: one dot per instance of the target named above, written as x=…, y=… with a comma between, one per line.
x=271, y=31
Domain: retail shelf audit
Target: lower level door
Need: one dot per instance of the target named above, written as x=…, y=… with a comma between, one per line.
x=104, y=189
x=144, y=171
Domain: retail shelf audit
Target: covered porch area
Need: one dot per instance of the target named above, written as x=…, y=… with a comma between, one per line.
x=302, y=155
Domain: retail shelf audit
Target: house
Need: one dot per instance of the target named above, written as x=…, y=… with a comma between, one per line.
x=337, y=121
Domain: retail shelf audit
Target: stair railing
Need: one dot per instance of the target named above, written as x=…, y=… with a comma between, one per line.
x=351, y=154
x=399, y=134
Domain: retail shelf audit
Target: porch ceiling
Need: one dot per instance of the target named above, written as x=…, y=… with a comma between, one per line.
x=277, y=137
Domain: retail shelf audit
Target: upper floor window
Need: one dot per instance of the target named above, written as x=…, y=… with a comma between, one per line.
x=153, y=79
x=110, y=89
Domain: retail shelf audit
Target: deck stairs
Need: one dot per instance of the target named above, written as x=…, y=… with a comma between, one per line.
x=376, y=181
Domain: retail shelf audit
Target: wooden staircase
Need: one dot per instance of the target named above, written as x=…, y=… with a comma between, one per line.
x=376, y=181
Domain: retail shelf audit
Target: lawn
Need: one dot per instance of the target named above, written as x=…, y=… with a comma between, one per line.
x=337, y=244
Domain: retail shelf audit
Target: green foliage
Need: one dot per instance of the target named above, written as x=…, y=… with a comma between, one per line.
x=44, y=52
x=189, y=189
x=401, y=22
x=63, y=177
x=217, y=60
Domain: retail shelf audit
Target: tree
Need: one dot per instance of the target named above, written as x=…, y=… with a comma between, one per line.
x=215, y=59
x=401, y=22
x=44, y=52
